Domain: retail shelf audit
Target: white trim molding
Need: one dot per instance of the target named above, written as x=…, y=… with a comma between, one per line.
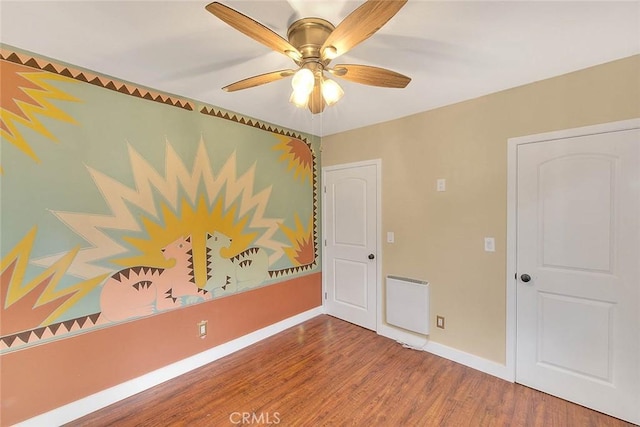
x=512, y=170
x=94, y=402
x=421, y=342
x=470, y=360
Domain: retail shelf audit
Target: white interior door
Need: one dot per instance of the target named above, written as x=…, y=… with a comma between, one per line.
x=578, y=270
x=351, y=243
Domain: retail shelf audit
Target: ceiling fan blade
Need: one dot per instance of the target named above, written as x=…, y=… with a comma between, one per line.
x=359, y=26
x=369, y=75
x=258, y=80
x=253, y=29
x=316, y=101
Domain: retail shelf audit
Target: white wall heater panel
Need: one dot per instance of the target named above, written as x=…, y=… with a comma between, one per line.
x=408, y=304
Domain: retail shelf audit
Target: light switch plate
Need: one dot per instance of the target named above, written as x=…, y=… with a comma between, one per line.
x=489, y=244
x=202, y=329
x=390, y=237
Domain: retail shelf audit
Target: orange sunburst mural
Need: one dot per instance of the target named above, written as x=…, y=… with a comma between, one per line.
x=25, y=95
x=299, y=156
x=302, y=250
x=27, y=304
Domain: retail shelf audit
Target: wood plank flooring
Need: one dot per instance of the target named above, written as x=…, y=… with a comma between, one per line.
x=327, y=372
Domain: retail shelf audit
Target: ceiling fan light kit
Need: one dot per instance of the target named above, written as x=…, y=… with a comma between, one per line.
x=307, y=78
x=299, y=99
x=312, y=44
x=331, y=92
x=303, y=81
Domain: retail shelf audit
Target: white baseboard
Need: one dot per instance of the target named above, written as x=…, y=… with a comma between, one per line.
x=414, y=340
x=420, y=342
x=472, y=361
x=84, y=406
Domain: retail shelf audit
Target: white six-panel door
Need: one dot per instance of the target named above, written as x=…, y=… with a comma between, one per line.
x=351, y=247
x=578, y=270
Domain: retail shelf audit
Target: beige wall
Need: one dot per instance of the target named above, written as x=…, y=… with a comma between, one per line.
x=439, y=236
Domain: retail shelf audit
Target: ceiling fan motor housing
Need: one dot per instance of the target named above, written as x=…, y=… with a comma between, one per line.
x=308, y=35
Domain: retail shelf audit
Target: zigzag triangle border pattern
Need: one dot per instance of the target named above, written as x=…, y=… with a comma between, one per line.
x=138, y=92
x=94, y=79
x=274, y=274
x=30, y=337
x=234, y=117
x=132, y=90
x=315, y=206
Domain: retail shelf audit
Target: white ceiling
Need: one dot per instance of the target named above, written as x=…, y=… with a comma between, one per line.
x=452, y=50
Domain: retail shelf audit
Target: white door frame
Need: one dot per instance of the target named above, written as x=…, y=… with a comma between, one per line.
x=378, y=164
x=512, y=146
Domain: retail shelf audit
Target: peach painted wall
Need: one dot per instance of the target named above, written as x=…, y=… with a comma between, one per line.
x=42, y=378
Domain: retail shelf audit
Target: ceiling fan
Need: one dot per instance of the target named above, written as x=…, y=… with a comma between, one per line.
x=312, y=44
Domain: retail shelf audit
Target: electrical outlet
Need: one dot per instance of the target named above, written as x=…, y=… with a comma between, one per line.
x=441, y=184
x=202, y=329
x=440, y=322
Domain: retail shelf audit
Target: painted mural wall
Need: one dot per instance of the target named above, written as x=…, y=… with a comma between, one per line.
x=119, y=203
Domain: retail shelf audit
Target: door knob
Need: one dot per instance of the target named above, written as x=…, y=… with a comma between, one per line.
x=371, y=256
x=525, y=278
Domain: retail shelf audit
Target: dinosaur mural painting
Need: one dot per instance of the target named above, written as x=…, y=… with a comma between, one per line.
x=228, y=275
x=141, y=291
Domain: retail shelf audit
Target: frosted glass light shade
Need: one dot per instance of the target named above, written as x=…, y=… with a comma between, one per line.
x=299, y=99
x=303, y=81
x=331, y=92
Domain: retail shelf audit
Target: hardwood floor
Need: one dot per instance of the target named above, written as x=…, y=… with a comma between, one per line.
x=327, y=372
